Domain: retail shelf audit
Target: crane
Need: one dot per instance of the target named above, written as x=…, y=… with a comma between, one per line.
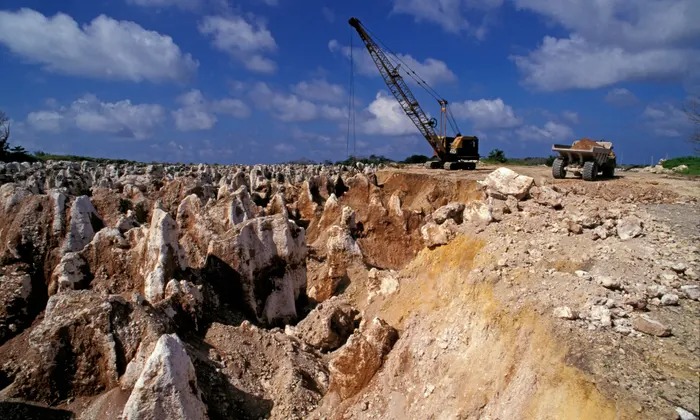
x=457, y=152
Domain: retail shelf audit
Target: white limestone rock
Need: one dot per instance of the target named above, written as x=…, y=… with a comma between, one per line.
x=84, y=223
x=504, y=182
x=167, y=387
x=163, y=257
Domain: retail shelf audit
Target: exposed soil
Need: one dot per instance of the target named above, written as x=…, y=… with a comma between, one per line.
x=410, y=293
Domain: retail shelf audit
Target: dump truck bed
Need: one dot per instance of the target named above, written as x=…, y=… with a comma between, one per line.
x=597, y=153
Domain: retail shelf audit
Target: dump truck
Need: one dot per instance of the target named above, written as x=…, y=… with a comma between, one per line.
x=585, y=158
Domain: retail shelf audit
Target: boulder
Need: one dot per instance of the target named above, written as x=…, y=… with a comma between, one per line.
x=329, y=325
x=435, y=235
x=692, y=292
x=546, y=196
x=477, y=212
x=449, y=211
x=564, y=312
x=353, y=365
x=167, y=387
x=647, y=325
x=629, y=227
x=504, y=182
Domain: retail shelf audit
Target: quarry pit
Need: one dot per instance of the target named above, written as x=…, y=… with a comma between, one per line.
x=330, y=292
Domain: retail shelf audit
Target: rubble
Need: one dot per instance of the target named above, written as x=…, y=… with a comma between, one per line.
x=279, y=291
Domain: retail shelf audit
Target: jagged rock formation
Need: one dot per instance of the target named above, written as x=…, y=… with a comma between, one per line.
x=279, y=291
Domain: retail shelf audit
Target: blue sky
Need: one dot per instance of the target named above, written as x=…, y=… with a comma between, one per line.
x=267, y=81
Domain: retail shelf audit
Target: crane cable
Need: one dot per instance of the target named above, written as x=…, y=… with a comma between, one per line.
x=422, y=83
x=411, y=73
x=351, y=105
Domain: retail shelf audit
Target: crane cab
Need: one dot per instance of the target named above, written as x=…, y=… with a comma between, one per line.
x=462, y=148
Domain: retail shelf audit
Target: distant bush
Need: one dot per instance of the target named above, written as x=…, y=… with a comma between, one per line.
x=416, y=159
x=692, y=162
x=497, y=155
x=371, y=159
x=39, y=155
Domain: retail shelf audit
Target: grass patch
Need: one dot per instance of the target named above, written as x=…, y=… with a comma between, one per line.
x=73, y=158
x=692, y=162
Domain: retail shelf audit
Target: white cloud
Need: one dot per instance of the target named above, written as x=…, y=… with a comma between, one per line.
x=550, y=132
x=451, y=15
x=621, y=97
x=387, y=118
x=613, y=41
x=183, y=4
x=570, y=116
x=320, y=90
x=290, y=107
x=103, y=49
x=577, y=63
x=244, y=41
x=431, y=70
x=666, y=120
x=637, y=24
x=194, y=114
x=89, y=114
x=45, y=121
x=198, y=113
x=284, y=148
x=487, y=113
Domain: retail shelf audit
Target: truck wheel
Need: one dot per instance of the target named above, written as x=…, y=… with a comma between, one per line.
x=609, y=169
x=590, y=171
x=558, y=168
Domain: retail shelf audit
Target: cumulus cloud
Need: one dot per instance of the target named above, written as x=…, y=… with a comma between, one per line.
x=666, y=120
x=103, y=49
x=613, y=41
x=577, y=63
x=431, y=70
x=49, y=121
x=549, y=133
x=386, y=118
x=570, y=116
x=486, y=113
x=245, y=41
x=88, y=113
x=452, y=15
x=290, y=107
x=320, y=90
x=183, y=4
x=621, y=97
x=198, y=113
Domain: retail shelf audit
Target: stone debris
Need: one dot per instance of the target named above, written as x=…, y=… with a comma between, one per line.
x=329, y=325
x=629, y=227
x=276, y=277
x=650, y=326
x=564, y=312
x=504, y=182
x=353, y=365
